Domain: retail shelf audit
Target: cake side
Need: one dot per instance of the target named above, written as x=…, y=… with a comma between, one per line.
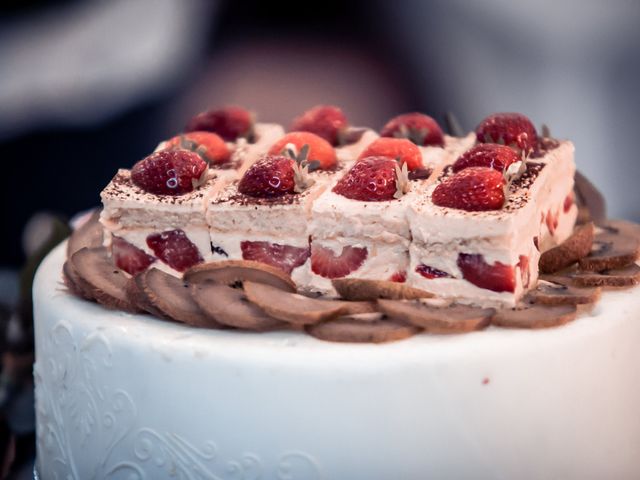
x=97, y=419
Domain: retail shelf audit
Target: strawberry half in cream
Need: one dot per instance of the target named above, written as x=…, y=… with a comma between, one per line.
x=358, y=226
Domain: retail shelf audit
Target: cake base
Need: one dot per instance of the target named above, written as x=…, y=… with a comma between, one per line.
x=131, y=396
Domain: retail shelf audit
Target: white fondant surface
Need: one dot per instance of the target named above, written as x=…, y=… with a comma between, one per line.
x=129, y=396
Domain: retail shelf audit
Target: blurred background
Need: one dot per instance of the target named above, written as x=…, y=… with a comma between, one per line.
x=90, y=86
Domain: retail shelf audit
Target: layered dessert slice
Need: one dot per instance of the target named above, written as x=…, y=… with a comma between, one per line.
x=479, y=230
x=155, y=212
x=264, y=216
x=358, y=226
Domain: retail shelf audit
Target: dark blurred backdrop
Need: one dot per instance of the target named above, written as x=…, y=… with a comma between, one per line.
x=90, y=86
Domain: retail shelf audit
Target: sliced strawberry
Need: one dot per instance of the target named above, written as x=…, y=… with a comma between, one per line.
x=399, y=149
x=326, y=121
x=208, y=145
x=399, y=277
x=372, y=179
x=525, y=275
x=320, y=150
x=551, y=220
x=228, y=122
x=329, y=265
x=471, y=189
x=169, y=172
x=429, y=272
x=512, y=129
x=175, y=249
x=421, y=129
x=568, y=203
x=491, y=155
x=497, y=277
x=284, y=257
x=128, y=257
x=271, y=176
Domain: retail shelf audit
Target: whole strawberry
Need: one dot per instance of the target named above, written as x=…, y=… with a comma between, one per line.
x=491, y=155
x=399, y=149
x=169, y=172
x=271, y=176
x=471, y=189
x=208, y=145
x=512, y=129
x=421, y=129
x=326, y=121
x=371, y=179
x=319, y=150
x=228, y=122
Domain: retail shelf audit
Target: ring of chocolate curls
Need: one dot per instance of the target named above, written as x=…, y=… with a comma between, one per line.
x=600, y=254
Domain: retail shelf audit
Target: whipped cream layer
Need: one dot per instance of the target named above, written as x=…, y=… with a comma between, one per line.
x=126, y=205
x=229, y=211
x=383, y=261
x=335, y=216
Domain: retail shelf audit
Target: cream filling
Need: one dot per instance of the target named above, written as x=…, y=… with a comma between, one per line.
x=197, y=234
x=384, y=259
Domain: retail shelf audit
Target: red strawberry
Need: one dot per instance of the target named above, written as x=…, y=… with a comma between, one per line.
x=169, y=172
x=552, y=220
x=271, y=176
x=128, y=257
x=329, y=265
x=326, y=121
x=497, y=277
x=284, y=257
x=208, y=145
x=472, y=189
x=319, y=149
x=568, y=203
x=228, y=122
x=429, y=272
x=421, y=129
x=175, y=249
x=399, y=277
x=399, y=149
x=371, y=179
x=512, y=129
x=492, y=155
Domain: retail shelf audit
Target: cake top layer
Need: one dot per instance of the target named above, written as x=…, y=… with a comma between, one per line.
x=122, y=191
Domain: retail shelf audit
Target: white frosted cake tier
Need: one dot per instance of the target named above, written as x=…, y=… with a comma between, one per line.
x=123, y=396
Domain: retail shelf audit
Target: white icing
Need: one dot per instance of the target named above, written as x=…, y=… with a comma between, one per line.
x=130, y=396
